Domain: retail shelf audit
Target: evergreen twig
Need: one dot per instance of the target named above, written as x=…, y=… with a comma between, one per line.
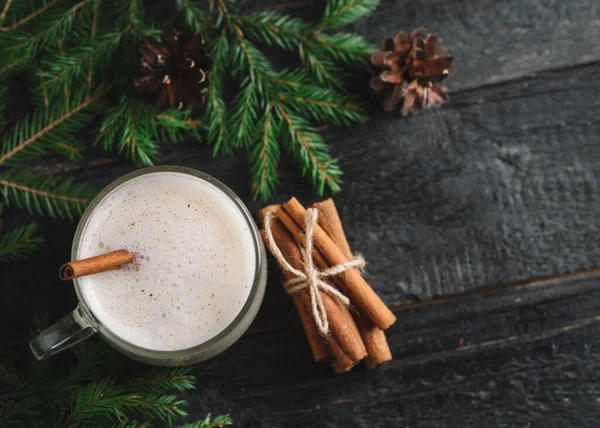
x=39, y=131
x=5, y=10
x=27, y=18
x=288, y=105
x=92, y=393
x=44, y=194
x=18, y=243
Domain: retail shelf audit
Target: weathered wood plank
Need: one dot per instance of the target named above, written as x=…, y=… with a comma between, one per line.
x=501, y=186
x=513, y=357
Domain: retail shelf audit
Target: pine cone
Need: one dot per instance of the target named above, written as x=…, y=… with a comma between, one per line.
x=174, y=71
x=411, y=68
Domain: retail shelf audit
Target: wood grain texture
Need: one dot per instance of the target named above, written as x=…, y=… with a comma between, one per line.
x=501, y=186
x=515, y=357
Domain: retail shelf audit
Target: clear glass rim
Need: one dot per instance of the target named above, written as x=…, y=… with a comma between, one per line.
x=254, y=291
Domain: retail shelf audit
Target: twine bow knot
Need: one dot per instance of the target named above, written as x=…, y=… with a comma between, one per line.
x=311, y=278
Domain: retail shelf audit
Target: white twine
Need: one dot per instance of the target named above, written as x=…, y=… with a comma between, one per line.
x=311, y=278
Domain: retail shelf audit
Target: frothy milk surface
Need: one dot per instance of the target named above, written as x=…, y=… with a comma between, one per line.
x=194, y=266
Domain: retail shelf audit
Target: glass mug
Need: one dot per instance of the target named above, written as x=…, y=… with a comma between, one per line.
x=82, y=323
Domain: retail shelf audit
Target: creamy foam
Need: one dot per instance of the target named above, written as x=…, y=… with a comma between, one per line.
x=194, y=267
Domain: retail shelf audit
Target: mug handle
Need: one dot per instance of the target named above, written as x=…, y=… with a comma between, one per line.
x=65, y=333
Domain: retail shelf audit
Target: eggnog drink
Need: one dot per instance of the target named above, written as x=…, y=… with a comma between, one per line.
x=194, y=267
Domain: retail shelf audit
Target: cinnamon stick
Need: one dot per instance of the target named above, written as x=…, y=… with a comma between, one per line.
x=375, y=342
x=102, y=263
x=341, y=362
x=342, y=328
x=329, y=220
x=355, y=287
x=301, y=300
x=372, y=336
x=317, y=344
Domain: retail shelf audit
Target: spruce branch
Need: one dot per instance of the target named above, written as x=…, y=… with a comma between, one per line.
x=66, y=91
x=95, y=401
x=25, y=19
x=63, y=69
x=25, y=44
x=159, y=382
x=44, y=194
x=322, y=105
x=12, y=65
x=222, y=8
x=324, y=70
x=91, y=392
x=293, y=78
x=311, y=152
x=3, y=103
x=343, y=12
x=349, y=49
x=264, y=157
x=292, y=34
x=274, y=29
x=36, y=133
x=295, y=100
x=215, y=118
x=194, y=18
x=18, y=243
x=245, y=114
x=45, y=97
x=161, y=406
x=215, y=115
x=245, y=56
x=131, y=128
x=5, y=10
x=92, y=36
x=174, y=125
x=210, y=422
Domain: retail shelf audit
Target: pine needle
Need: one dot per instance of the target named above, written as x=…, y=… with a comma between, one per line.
x=25, y=44
x=274, y=29
x=265, y=156
x=343, y=12
x=44, y=194
x=245, y=114
x=25, y=19
x=194, y=17
x=311, y=152
x=19, y=243
x=40, y=132
x=91, y=393
x=216, y=112
x=5, y=10
x=159, y=382
x=130, y=128
x=210, y=422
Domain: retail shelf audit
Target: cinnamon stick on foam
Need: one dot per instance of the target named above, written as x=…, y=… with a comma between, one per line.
x=102, y=263
x=372, y=336
x=343, y=330
x=354, y=286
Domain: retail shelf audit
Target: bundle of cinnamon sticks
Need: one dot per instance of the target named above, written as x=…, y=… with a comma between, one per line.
x=355, y=333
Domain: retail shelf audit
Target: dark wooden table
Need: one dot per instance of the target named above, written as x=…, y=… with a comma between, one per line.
x=481, y=223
